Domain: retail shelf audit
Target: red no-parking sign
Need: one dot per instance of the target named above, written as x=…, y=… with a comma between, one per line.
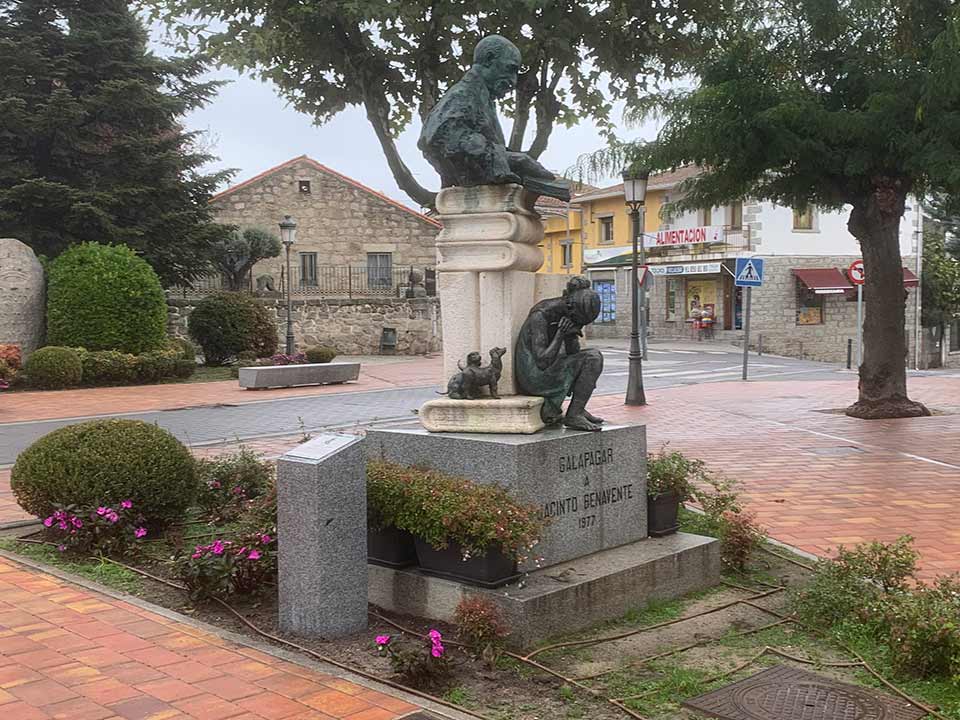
x=855, y=272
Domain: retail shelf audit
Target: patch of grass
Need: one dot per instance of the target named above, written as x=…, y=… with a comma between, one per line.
x=566, y=693
x=457, y=696
x=662, y=691
x=203, y=374
x=100, y=571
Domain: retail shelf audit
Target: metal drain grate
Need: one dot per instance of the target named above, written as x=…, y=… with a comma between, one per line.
x=785, y=693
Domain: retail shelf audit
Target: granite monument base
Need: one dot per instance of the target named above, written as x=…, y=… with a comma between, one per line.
x=514, y=414
x=591, y=486
x=567, y=598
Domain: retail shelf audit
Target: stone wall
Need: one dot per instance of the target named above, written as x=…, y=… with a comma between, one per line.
x=354, y=327
x=22, y=292
x=338, y=218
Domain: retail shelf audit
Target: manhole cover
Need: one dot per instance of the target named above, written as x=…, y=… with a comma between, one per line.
x=785, y=693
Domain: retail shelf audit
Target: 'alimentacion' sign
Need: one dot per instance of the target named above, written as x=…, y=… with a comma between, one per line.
x=691, y=236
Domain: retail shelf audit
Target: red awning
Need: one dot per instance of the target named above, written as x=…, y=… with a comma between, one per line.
x=909, y=278
x=823, y=281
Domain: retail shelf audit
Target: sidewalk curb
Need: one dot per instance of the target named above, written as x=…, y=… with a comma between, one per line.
x=442, y=712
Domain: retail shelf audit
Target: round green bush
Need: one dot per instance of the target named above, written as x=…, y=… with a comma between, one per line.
x=103, y=462
x=54, y=368
x=105, y=297
x=228, y=323
x=109, y=367
x=321, y=354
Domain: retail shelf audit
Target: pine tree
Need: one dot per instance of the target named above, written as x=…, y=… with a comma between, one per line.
x=91, y=145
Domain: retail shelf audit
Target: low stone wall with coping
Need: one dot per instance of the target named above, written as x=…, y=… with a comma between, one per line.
x=353, y=327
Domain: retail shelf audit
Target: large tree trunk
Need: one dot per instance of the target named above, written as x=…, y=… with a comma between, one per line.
x=875, y=222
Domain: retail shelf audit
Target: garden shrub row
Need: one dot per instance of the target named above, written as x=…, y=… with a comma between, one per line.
x=55, y=368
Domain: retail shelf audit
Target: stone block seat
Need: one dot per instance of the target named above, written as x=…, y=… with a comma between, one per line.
x=279, y=376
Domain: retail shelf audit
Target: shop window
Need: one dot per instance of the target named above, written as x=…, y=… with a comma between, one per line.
x=566, y=247
x=803, y=218
x=674, y=293
x=607, y=290
x=955, y=335
x=736, y=216
x=606, y=230
x=809, y=306
x=308, y=269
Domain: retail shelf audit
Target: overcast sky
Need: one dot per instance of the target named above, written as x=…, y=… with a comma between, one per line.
x=252, y=129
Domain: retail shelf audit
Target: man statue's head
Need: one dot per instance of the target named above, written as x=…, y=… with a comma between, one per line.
x=498, y=62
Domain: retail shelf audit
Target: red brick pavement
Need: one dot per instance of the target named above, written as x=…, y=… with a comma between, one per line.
x=817, y=480
x=73, y=654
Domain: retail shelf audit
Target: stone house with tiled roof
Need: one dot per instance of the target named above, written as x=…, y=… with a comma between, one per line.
x=341, y=224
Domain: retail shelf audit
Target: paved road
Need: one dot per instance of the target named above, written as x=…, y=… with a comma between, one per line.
x=666, y=367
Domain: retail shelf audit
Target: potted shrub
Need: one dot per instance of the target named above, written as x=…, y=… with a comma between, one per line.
x=388, y=545
x=669, y=477
x=473, y=533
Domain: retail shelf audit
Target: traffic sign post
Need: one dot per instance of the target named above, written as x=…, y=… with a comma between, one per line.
x=748, y=274
x=858, y=277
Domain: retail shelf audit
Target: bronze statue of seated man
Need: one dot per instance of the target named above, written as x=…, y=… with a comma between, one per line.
x=549, y=361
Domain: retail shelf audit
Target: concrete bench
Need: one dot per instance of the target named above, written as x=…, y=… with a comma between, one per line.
x=273, y=376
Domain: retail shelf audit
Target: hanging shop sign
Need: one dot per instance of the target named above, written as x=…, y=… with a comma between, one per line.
x=691, y=236
x=686, y=269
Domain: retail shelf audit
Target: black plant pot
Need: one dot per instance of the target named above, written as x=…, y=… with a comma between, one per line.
x=490, y=570
x=662, y=511
x=391, y=547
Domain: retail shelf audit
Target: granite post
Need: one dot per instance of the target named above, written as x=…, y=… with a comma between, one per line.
x=322, y=530
x=22, y=305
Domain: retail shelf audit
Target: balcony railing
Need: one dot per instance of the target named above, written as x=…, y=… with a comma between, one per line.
x=330, y=281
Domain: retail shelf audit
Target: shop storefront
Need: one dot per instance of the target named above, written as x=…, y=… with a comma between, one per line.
x=694, y=299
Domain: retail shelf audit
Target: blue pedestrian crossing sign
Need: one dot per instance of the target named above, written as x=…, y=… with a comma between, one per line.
x=749, y=272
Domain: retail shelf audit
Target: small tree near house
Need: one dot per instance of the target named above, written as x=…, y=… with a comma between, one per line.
x=235, y=255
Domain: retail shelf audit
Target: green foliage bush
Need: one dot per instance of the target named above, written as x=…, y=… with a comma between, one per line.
x=188, y=351
x=321, y=354
x=227, y=323
x=672, y=473
x=54, y=368
x=110, y=367
x=441, y=509
x=105, y=297
x=184, y=368
x=105, y=462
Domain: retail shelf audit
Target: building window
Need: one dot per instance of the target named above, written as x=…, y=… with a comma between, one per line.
x=736, y=216
x=607, y=290
x=308, y=269
x=379, y=270
x=304, y=187
x=707, y=216
x=803, y=218
x=809, y=306
x=566, y=247
x=955, y=335
x=674, y=293
x=606, y=230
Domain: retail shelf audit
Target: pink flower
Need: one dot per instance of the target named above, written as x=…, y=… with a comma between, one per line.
x=265, y=539
x=382, y=640
x=238, y=490
x=140, y=532
x=196, y=556
x=77, y=522
x=217, y=547
x=126, y=504
x=102, y=510
x=61, y=548
x=48, y=522
x=213, y=485
x=254, y=555
x=62, y=525
x=437, y=650
x=112, y=516
x=435, y=636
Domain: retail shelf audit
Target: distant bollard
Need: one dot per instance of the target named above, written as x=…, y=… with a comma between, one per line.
x=849, y=352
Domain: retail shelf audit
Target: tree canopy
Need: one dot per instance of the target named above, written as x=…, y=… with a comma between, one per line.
x=91, y=145
x=842, y=103
x=396, y=58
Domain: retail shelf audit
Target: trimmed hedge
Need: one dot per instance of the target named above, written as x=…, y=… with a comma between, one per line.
x=321, y=354
x=105, y=297
x=103, y=462
x=226, y=324
x=109, y=367
x=54, y=368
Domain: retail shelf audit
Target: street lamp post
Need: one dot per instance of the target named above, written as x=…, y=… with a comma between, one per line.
x=635, y=193
x=288, y=235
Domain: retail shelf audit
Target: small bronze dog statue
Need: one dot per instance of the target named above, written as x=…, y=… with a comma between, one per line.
x=468, y=383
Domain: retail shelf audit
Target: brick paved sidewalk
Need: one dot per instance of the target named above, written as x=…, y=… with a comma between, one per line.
x=73, y=654
x=49, y=405
x=817, y=480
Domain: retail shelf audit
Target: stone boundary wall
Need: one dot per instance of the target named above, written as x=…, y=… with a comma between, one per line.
x=353, y=327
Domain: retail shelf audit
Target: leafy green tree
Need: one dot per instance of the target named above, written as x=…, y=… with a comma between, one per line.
x=941, y=269
x=396, y=58
x=843, y=103
x=91, y=145
x=235, y=255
